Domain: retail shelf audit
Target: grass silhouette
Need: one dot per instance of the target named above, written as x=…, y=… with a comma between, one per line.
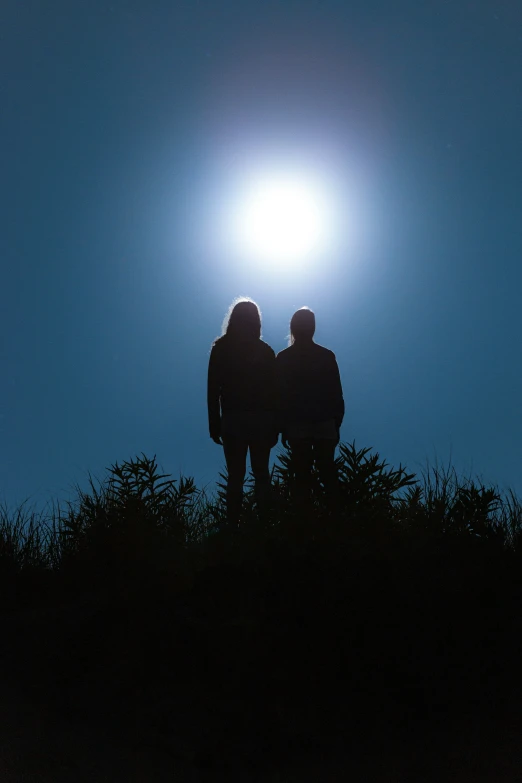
x=139, y=518
x=387, y=613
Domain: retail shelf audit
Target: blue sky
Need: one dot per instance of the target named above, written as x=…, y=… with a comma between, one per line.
x=120, y=123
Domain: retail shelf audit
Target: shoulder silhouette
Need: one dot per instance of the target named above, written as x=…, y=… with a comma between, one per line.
x=310, y=384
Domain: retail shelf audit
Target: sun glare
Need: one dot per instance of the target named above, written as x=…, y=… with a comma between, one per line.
x=282, y=218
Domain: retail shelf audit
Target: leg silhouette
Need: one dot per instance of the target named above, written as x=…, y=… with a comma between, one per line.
x=303, y=459
x=235, y=455
x=259, y=457
x=324, y=455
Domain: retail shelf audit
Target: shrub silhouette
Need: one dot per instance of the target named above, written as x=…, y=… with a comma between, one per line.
x=136, y=519
x=139, y=518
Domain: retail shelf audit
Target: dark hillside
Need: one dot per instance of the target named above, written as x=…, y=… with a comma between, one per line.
x=380, y=637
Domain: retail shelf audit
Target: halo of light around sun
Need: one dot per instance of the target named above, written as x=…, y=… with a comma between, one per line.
x=281, y=218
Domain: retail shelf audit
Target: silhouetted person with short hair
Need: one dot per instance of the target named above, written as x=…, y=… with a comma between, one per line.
x=311, y=404
x=242, y=399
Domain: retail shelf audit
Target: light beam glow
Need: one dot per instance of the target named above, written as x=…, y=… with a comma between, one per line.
x=281, y=217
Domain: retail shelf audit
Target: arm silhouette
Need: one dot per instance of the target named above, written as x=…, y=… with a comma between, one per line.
x=213, y=395
x=281, y=400
x=337, y=393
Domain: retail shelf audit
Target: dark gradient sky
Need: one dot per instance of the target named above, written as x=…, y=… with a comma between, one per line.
x=118, y=121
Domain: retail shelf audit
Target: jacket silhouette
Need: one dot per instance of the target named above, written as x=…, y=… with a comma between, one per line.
x=241, y=379
x=310, y=391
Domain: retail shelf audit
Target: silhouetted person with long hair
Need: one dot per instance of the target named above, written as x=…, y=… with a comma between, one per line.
x=311, y=404
x=242, y=402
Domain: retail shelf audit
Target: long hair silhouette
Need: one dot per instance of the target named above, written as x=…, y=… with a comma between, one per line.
x=242, y=320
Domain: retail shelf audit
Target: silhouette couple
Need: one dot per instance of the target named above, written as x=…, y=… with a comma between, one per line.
x=254, y=395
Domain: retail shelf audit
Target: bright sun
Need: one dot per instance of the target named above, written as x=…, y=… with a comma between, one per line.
x=282, y=218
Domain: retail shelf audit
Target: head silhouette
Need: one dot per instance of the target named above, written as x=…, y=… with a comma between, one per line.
x=243, y=320
x=302, y=325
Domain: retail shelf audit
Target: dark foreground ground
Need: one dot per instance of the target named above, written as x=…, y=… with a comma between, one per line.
x=317, y=665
